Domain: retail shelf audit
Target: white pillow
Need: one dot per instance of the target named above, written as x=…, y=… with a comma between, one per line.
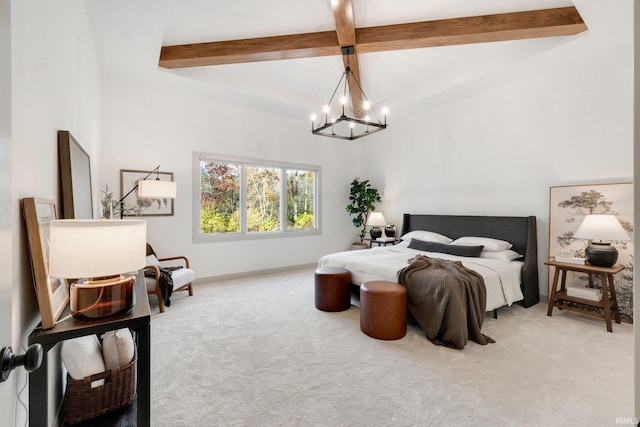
x=506, y=255
x=488, y=243
x=82, y=357
x=117, y=348
x=426, y=236
x=152, y=260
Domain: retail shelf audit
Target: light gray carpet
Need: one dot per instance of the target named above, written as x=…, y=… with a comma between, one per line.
x=256, y=352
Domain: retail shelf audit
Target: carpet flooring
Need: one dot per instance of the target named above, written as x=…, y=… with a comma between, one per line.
x=256, y=352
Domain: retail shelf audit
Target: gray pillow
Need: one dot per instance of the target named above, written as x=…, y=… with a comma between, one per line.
x=459, y=250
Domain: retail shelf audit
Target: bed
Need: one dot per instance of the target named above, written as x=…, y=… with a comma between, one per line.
x=506, y=282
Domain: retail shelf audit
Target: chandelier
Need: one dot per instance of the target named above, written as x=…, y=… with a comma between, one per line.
x=342, y=117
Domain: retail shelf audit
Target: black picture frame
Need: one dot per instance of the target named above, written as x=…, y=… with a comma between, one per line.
x=75, y=178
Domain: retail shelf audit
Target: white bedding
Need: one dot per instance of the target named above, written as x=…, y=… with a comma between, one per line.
x=502, y=279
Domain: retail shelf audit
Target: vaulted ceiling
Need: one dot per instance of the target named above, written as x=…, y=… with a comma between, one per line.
x=284, y=55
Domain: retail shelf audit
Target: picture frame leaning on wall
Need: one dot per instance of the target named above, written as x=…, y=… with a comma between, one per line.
x=52, y=292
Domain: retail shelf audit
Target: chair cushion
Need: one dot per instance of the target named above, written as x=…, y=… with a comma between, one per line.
x=152, y=260
x=180, y=277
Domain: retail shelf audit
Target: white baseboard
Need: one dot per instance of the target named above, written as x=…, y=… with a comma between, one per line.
x=220, y=278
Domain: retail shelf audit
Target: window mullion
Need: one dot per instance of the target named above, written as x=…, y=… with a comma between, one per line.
x=284, y=197
x=243, y=198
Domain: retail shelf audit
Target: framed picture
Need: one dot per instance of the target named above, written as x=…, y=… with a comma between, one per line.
x=147, y=207
x=75, y=178
x=52, y=293
x=568, y=205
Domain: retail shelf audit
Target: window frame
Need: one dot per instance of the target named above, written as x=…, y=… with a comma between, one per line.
x=244, y=234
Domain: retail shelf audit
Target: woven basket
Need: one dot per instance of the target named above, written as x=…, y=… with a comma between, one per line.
x=81, y=402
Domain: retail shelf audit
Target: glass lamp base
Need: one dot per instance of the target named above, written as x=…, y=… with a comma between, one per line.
x=95, y=299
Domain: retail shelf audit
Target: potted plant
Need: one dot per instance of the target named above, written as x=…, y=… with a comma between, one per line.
x=363, y=198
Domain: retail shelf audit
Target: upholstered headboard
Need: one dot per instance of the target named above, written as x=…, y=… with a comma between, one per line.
x=519, y=231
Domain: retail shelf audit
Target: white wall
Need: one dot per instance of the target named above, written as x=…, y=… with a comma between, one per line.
x=148, y=126
x=6, y=283
x=562, y=117
x=56, y=85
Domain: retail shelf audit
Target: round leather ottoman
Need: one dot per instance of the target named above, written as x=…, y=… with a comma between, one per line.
x=383, y=310
x=332, y=289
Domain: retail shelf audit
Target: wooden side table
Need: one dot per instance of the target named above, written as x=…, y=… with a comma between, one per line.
x=607, y=306
x=381, y=242
x=138, y=320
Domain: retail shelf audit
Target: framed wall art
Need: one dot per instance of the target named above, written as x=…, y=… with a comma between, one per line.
x=75, y=178
x=52, y=293
x=147, y=207
x=568, y=205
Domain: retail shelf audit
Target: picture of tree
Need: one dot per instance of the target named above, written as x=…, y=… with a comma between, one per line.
x=568, y=206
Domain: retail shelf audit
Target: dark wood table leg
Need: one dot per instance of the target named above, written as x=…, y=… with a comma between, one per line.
x=552, y=297
x=614, y=298
x=143, y=392
x=605, y=301
x=39, y=393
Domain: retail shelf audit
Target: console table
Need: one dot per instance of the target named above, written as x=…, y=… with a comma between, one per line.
x=138, y=320
x=607, y=306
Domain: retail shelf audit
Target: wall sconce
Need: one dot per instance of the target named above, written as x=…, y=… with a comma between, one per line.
x=99, y=253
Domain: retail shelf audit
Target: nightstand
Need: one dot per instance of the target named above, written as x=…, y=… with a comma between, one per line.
x=605, y=307
x=381, y=242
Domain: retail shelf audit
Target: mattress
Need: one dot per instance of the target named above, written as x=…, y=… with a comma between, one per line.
x=502, y=279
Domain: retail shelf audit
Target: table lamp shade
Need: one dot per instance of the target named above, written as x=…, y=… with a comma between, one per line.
x=156, y=189
x=96, y=248
x=601, y=228
x=376, y=219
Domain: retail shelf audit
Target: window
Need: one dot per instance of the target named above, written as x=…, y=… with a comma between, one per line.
x=244, y=198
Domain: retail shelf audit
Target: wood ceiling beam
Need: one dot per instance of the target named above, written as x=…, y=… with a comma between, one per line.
x=250, y=50
x=476, y=29
x=346, y=32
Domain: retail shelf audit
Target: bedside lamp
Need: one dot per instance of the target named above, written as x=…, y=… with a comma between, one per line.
x=99, y=253
x=375, y=221
x=601, y=227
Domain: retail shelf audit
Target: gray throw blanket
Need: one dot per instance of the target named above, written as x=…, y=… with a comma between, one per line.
x=447, y=300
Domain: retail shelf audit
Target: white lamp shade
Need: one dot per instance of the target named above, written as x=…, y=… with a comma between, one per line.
x=376, y=219
x=601, y=227
x=96, y=248
x=156, y=189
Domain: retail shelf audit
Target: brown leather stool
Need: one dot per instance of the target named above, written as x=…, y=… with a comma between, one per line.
x=332, y=289
x=383, y=310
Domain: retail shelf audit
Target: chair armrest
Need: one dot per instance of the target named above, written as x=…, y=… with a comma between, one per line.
x=186, y=261
x=152, y=267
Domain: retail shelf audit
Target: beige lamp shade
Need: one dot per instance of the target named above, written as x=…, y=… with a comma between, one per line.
x=601, y=227
x=96, y=248
x=156, y=189
x=376, y=219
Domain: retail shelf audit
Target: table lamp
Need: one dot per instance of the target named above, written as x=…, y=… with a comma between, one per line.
x=100, y=254
x=375, y=221
x=597, y=228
